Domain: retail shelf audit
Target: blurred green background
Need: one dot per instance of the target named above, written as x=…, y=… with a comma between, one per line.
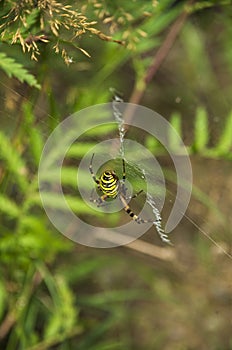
x=174, y=57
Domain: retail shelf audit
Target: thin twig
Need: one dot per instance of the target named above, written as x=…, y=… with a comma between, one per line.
x=166, y=254
x=119, y=239
x=159, y=58
x=7, y=324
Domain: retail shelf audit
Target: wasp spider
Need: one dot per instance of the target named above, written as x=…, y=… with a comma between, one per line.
x=111, y=187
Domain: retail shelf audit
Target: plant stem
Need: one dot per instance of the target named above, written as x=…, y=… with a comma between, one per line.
x=159, y=58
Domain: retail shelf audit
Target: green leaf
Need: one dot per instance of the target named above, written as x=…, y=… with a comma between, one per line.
x=15, y=164
x=117, y=296
x=201, y=129
x=84, y=270
x=103, y=129
x=65, y=310
x=32, y=19
x=78, y=150
x=68, y=177
x=3, y=298
x=151, y=143
x=55, y=201
x=175, y=121
x=225, y=141
x=8, y=207
x=200, y=5
x=35, y=138
x=13, y=68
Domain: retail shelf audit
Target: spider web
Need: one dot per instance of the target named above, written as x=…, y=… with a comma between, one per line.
x=154, y=200
x=136, y=171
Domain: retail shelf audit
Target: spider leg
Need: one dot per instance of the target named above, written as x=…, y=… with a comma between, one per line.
x=100, y=201
x=134, y=196
x=123, y=171
x=92, y=172
x=123, y=187
x=137, y=194
x=123, y=182
x=128, y=210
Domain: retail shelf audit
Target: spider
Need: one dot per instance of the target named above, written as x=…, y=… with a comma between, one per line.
x=111, y=187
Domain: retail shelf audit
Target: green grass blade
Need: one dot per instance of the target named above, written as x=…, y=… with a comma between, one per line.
x=8, y=207
x=34, y=134
x=13, y=161
x=3, y=298
x=225, y=141
x=201, y=130
x=175, y=121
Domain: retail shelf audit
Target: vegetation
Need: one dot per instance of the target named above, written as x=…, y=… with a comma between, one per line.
x=57, y=58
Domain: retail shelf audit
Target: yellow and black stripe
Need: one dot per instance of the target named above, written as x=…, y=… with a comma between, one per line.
x=128, y=210
x=109, y=183
x=111, y=187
